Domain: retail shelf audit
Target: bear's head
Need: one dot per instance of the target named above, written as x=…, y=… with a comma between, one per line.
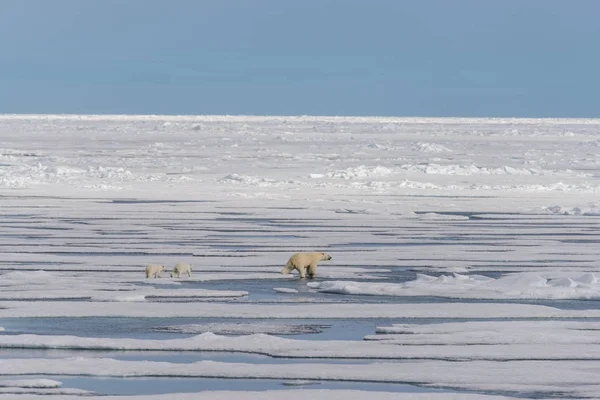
x=325, y=256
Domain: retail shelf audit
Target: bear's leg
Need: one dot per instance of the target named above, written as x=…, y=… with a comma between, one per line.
x=301, y=271
x=189, y=273
x=312, y=270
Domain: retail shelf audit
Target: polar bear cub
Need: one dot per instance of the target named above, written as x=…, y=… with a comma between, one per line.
x=154, y=270
x=181, y=269
x=305, y=261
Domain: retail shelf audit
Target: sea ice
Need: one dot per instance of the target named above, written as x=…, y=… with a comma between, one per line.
x=509, y=205
x=512, y=286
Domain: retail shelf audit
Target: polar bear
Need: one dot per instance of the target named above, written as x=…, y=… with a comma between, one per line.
x=154, y=270
x=302, y=261
x=180, y=269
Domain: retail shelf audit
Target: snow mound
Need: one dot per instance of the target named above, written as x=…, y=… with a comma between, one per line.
x=437, y=169
x=425, y=147
x=248, y=180
x=9, y=180
x=405, y=183
x=360, y=172
x=590, y=209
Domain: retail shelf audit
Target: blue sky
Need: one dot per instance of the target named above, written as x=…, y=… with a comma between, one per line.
x=513, y=58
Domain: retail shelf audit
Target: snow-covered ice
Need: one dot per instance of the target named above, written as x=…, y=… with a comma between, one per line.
x=296, y=310
x=525, y=285
x=316, y=394
x=483, y=344
x=465, y=254
x=30, y=383
x=475, y=375
x=285, y=290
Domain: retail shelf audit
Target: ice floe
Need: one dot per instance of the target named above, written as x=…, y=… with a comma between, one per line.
x=285, y=290
x=37, y=387
x=15, y=309
x=47, y=285
x=243, y=328
x=469, y=341
x=300, y=394
x=491, y=332
x=30, y=383
x=512, y=286
x=567, y=377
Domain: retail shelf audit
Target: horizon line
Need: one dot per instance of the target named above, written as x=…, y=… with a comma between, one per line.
x=91, y=116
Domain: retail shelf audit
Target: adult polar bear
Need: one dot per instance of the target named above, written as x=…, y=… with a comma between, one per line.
x=154, y=270
x=181, y=269
x=305, y=261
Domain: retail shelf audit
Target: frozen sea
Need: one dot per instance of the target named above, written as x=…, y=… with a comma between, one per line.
x=465, y=258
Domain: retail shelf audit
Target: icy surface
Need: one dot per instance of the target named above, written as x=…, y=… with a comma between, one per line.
x=511, y=342
x=30, y=383
x=285, y=290
x=464, y=257
x=32, y=285
x=241, y=329
x=475, y=374
x=513, y=286
x=302, y=394
x=315, y=311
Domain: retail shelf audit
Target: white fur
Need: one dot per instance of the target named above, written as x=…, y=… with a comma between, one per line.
x=305, y=261
x=154, y=270
x=180, y=269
